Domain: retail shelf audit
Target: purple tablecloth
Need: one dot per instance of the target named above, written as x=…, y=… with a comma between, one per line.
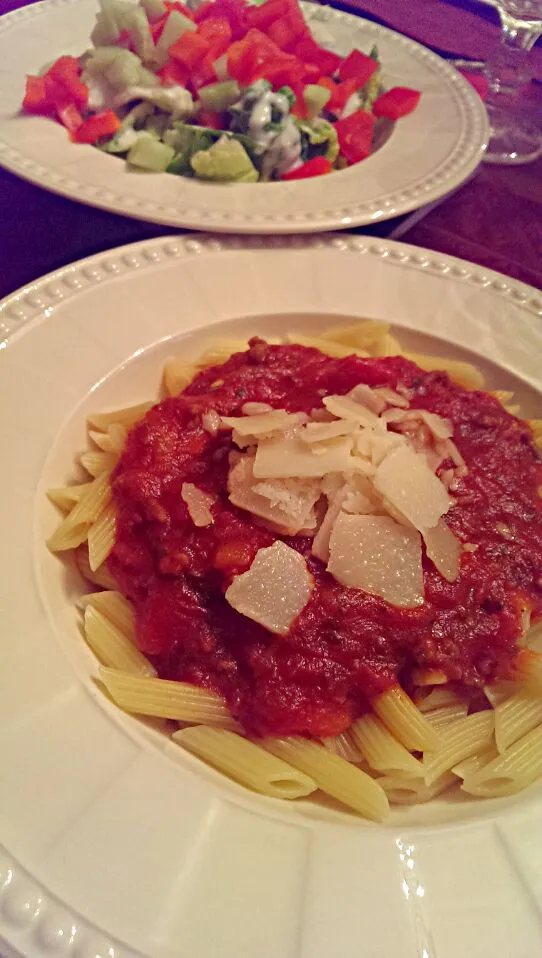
x=495, y=219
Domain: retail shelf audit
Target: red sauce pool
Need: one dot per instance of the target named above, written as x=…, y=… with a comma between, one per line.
x=347, y=645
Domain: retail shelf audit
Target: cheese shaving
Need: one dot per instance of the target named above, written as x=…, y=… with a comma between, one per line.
x=345, y=408
x=406, y=481
x=275, y=590
x=263, y=423
x=444, y=550
x=198, y=503
x=376, y=554
x=286, y=504
x=283, y=458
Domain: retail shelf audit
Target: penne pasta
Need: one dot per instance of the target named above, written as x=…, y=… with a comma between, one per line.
x=515, y=717
x=399, y=714
x=246, y=762
x=67, y=496
x=111, y=646
x=111, y=441
x=124, y=417
x=101, y=536
x=429, y=677
x=114, y=607
x=177, y=376
x=437, y=698
x=414, y=791
x=518, y=768
x=340, y=779
x=498, y=692
x=220, y=352
x=447, y=714
x=463, y=738
x=167, y=699
x=528, y=669
x=475, y=762
x=381, y=750
x=344, y=746
x=502, y=395
x=388, y=346
x=101, y=576
x=464, y=374
x=364, y=335
x=326, y=346
x=74, y=529
x=97, y=462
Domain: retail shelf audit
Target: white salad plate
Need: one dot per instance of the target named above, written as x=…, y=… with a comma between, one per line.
x=114, y=843
x=428, y=154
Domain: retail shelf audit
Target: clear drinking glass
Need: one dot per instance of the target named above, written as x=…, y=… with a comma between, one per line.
x=515, y=138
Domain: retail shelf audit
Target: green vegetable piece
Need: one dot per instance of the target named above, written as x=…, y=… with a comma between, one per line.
x=315, y=98
x=219, y=96
x=373, y=53
x=226, y=162
x=289, y=94
x=135, y=21
x=320, y=133
x=150, y=154
x=106, y=31
x=154, y=9
x=371, y=91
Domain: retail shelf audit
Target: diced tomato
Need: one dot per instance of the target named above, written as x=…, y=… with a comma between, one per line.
x=189, y=49
x=202, y=74
x=217, y=32
x=287, y=31
x=96, y=127
x=158, y=27
x=280, y=72
x=66, y=72
x=181, y=7
x=310, y=52
x=36, y=99
x=262, y=17
x=340, y=93
x=355, y=134
x=215, y=121
x=173, y=74
x=318, y=166
x=246, y=57
x=357, y=66
x=234, y=11
x=312, y=73
x=397, y=102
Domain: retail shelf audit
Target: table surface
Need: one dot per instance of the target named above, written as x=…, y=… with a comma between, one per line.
x=495, y=219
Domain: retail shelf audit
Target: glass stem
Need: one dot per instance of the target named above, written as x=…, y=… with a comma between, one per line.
x=508, y=68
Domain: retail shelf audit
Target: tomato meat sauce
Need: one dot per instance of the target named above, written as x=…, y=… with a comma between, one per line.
x=346, y=646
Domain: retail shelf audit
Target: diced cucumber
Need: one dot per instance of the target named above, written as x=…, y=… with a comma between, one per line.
x=315, y=98
x=154, y=9
x=221, y=68
x=123, y=70
x=219, y=96
x=138, y=26
x=147, y=78
x=225, y=162
x=176, y=25
x=106, y=30
x=150, y=154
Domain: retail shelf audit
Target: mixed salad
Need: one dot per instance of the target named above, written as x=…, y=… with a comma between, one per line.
x=223, y=91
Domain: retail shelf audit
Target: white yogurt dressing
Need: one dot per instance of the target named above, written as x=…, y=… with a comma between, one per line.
x=282, y=147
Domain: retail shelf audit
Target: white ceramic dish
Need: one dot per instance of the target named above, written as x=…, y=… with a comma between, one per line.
x=115, y=843
x=429, y=153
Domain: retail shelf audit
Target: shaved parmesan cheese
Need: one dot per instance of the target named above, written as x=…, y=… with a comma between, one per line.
x=275, y=590
x=318, y=431
x=440, y=427
x=281, y=458
x=449, y=450
x=264, y=423
x=287, y=504
x=211, y=422
x=391, y=397
x=199, y=504
x=382, y=445
x=345, y=408
x=444, y=550
x=367, y=397
x=377, y=555
x=406, y=481
x=320, y=543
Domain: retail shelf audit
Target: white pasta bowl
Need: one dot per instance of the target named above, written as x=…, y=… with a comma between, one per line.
x=114, y=840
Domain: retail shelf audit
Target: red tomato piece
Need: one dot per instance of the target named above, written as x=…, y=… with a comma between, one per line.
x=235, y=12
x=65, y=73
x=215, y=121
x=181, y=7
x=36, y=99
x=207, y=9
x=217, y=32
x=173, y=74
x=262, y=17
x=202, y=74
x=157, y=28
x=287, y=31
x=96, y=127
x=396, y=103
x=340, y=93
x=189, y=49
x=318, y=166
x=357, y=66
x=310, y=52
x=355, y=134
